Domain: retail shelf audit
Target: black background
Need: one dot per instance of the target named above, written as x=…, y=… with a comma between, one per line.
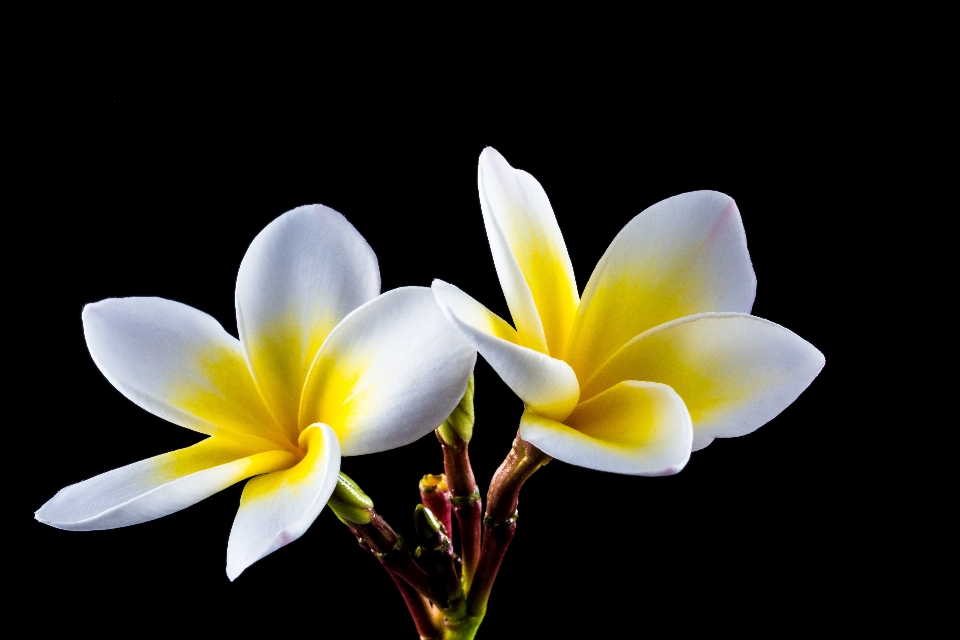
x=158, y=195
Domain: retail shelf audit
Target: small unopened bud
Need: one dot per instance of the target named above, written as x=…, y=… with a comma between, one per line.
x=436, y=555
x=459, y=426
x=349, y=502
x=435, y=496
x=431, y=483
x=428, y=527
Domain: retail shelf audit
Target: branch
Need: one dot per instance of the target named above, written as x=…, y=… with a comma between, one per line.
x=454, y=436
x=466, y=503
x=500, y=521
x=393, y=553
x=424, y=619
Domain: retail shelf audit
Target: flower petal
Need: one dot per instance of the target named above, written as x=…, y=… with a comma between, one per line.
x=277, y=508
x=390, y=373
x=300, y=277
x=734, y=372
x=158, y=486
x=546, y=385
x=684, y=255
x=637, y=428
x=179, y=364
x=529, y=253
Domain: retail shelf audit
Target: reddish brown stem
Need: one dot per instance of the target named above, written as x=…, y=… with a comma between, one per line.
x=466, y=503
x=500, y=521
x=419, y=609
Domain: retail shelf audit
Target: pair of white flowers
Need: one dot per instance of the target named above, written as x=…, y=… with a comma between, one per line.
x=658, y=358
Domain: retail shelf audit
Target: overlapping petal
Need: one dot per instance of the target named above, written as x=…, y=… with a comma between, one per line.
x=300, y=277
x=529, y=254
x=547, y=385
x=179, y=364
x=637, y=428
x=735, y=372
x=318, y=344
x=390, y=373
x=278, y=508
x=683, y=256
x=158, y=486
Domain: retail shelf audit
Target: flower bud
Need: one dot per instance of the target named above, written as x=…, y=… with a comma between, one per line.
x=459, y=426
x=435, y=495
x=349, y=502
x=428, y=527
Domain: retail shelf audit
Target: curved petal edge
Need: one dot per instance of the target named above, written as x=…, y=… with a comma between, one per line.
x=519, y=216
x=389, y=374
x=157, y=486
x=735, y=372
x=679, y=257
x=635, y=428
x=546, y=385
x=301, y=275
x=277, y=508
x=178, y=363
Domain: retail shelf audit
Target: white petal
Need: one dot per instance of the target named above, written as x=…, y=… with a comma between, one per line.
x=546, y=385
x=529, y=254
x=158, y=486
x=682, y=256
x=278, y=508
x=178, y=363
x=300, y=277
x=636, y=428
x=390, y=373
x=734, y=372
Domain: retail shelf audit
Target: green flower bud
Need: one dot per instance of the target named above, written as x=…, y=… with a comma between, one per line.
x=427, y=525
x=349, y=493
x=459, y=426
x=349, y=502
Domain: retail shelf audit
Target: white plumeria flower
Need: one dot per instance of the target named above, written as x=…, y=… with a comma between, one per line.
x=657, y=359
x=324, y=367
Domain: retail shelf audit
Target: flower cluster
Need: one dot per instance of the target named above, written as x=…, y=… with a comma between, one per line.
x=658, y=357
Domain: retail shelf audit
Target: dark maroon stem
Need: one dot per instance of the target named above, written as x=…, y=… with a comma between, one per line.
x=466, y=503
x=500, y=521
x=392, y=552
x=437, y=558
